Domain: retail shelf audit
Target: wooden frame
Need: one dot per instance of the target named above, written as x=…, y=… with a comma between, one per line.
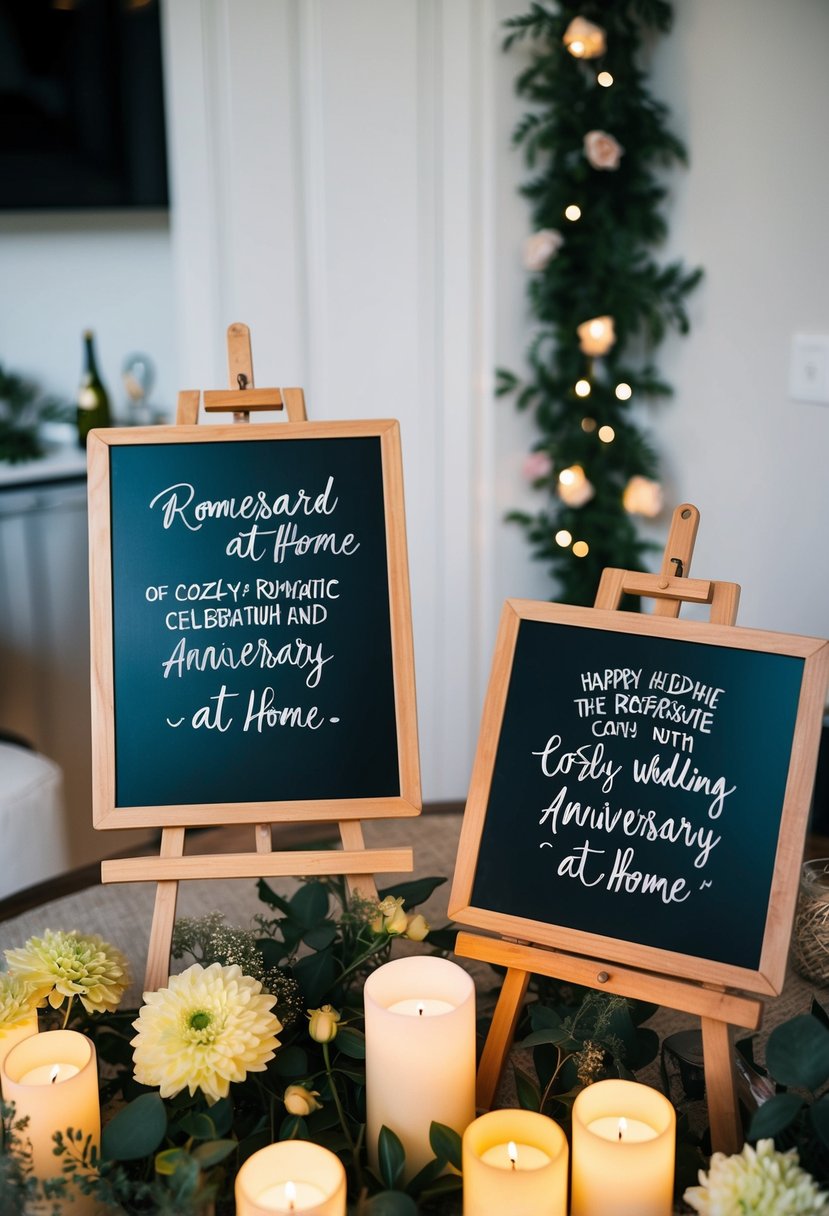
x=768, y=978
x=106, y=814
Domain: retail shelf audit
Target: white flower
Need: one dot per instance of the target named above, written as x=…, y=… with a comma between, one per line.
x=211, y=1026
x=17, y=1001
x=602, y=150
x=642, y=496
x=759, y=1181
x=541, y=248
x=584, y=40
x=60, y=965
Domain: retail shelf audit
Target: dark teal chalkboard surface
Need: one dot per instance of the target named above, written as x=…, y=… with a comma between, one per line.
x=252, y=610
x=632, y=782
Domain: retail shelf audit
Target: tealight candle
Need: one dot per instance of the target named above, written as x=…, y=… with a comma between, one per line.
x=52, y=1079
x=623, y=1151
x=514, y=1161
x=292, y=1176
x=10, y=1035
x=420, y=1053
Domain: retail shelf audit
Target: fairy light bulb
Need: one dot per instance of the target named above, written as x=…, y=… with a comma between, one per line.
x=572, y=212
x=623, y=391
x=576, y=48
x=604, y=79
x=582, y=388
x=588, y=425
x=569, y=477
x=564, y=538
x=607, y=434
x=581, y=548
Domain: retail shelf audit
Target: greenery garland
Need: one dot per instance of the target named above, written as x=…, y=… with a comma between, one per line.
x=594, y=140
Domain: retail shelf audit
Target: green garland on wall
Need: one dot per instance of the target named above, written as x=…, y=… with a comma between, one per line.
x=594, y=140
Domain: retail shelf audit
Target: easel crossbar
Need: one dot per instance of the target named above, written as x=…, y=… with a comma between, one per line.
x=257, y=865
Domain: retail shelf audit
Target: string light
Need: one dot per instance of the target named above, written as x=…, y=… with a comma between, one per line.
x=588, y=425
x=581, y=548
x=569, y=477
x=572, y=212
x=582, y=388
x=564, y=538
x=605, y=79
x=624, y=391
x=607, y=434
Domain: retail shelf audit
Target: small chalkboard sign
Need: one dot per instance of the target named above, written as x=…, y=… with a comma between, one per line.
x=641, y=791
x=251, y=631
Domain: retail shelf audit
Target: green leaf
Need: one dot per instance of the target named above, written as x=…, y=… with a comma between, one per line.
x=819, y=1115
x=391, y=1203
x=817, y=1011
x=443, y=939
x=319, y=937
x=171, y=1160
x=221, y=1113
x=310, y=904
x=552, y=1034
x=446, y=1143
x=316, y=975
x=415, y=892
x=773, y=1116
x=270, y=897
x=293, y=1127
x=136, y=1131
x=291, y=1062
x=392, y=1157
x=213, y=1151
x=352, y=1042
x=426, y=1177
x=797, y=1052
x=529, y=1095
x=198, y=1125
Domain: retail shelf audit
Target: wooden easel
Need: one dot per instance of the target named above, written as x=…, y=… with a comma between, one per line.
x=717, y=1008
x=355, y=861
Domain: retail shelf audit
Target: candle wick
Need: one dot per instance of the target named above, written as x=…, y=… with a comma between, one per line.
x=512, y=1164
x=620, y=1133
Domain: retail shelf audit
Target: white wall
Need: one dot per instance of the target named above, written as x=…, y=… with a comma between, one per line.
x=344, y=183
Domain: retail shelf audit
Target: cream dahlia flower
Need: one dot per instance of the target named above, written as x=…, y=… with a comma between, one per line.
x=211, y=1026
x=757, y=1180
x=17, y=1001
x=60, y=965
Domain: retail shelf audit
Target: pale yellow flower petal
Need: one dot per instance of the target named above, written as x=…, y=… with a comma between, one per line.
x=60, y=965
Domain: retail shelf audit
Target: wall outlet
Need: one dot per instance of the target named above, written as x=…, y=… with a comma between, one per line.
x=809, y=368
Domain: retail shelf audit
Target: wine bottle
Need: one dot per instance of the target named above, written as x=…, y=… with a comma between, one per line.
x=93, y=401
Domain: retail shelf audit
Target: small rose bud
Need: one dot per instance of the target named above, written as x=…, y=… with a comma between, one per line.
x=301, y=1101
x=396, y=921
x=323, y=1024
x=418, y=928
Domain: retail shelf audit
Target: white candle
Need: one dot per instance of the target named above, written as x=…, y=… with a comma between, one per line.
x=627, y=1174
x=70, y=1100
x=514, y=1161
x=420, y=1053
x=292, y=1176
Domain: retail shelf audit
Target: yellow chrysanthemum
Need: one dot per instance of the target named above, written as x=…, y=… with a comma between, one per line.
x=211, y=1026
x=16, y=1001
x=60, y=965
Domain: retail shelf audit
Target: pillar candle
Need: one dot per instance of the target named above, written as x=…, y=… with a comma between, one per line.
x=514, y=1161
x=292, y=1176
x=420, y=1053
x=9, y=1035
x=70, y=1100
x=624, y=1138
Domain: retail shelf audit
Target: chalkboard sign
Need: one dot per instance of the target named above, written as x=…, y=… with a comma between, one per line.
x=252, y=655
x=641, y=790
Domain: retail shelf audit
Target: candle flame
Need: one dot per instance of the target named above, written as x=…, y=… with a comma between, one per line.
x=512, y=1153
x=420, y=1011
x=290, y=1195
x=623, y=1126
x=53, y=1075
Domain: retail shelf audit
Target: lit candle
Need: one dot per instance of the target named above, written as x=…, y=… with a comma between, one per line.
x=514, y=1161
x=292, y=1176
x=52, y=1079
x=420, y=1053
x=623, y=1151
x=9, y=1035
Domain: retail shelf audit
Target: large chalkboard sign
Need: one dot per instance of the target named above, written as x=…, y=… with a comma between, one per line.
x=641, y=791
x=252, y=655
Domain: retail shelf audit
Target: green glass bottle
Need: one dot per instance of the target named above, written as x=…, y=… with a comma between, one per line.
x=93, y=401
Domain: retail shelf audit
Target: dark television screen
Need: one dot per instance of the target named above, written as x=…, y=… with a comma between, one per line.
x=81, y=104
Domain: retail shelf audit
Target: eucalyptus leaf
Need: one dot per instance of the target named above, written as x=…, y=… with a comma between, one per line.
x=293, y=1127
x=316, y=974
x=553, y=1034
x=529, y=1095
x=221, y=1113
x=391, y=1156
x=819, y=1115
x=171, y=1161
x=310, y=904
x=213, y=1151
x=391, y=1203
x=320, y=937
x=774, y=1116
x=268, y=896
x=136, y=1131
x=797, y=1052
x=198, y=1125
x=445, y=1143
x=352, y=1042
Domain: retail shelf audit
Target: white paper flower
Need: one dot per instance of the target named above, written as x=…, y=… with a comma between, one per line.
x=597, y=335
x=541, y=248
x=759, y=1181
x=573, y=487
x=602, y=150
x=584, y=39
x=643, y=497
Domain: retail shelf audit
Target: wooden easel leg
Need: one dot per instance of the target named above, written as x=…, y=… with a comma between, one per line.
x=501, y=1033
x=164, y=916
x=721, y=1087
x=351, y=834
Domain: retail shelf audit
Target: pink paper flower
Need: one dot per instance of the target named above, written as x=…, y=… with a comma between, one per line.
x=642, y=496
x=602, y=150
x=541, y=248
x=537, y=465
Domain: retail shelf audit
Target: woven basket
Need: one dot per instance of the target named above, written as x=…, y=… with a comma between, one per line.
x=810, y=943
